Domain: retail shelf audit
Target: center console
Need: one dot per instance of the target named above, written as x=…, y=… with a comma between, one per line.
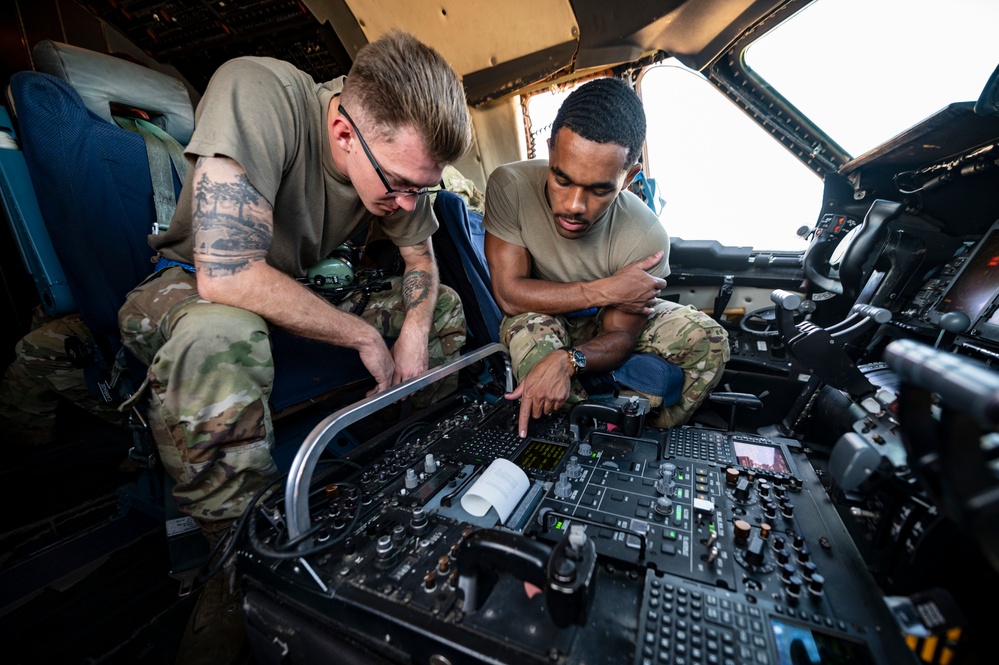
x=595, y=539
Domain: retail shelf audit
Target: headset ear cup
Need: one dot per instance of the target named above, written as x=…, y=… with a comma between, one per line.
x=346, y=253
x=331, y=273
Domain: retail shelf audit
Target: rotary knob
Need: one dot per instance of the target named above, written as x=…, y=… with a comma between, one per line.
x=663, y=505
x=816, y=585
x=573, y=468
x=563, y=488
x=809, y=570
x=794, y=586
x=418, y=521
x=742, y=490
x=384, y=548
x=755, y=551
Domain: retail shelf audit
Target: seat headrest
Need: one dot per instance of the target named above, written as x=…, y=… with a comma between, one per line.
x=102, y=79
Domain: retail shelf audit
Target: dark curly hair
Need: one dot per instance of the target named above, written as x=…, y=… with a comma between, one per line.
x=605, y=110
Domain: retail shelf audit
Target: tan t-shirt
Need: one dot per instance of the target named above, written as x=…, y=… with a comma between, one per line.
x=271, y=118
x=517, y=212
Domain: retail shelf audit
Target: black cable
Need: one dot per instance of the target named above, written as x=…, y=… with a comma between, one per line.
x=410, y=430
x=234, y=535
x=264, y=550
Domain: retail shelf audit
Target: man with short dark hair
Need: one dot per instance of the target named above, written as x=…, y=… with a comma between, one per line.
x=286, y=170
x=577, y=261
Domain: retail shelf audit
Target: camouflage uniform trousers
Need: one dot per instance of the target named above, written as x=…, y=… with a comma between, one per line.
x=41, y=373
x=681, y=334
x=210, y=377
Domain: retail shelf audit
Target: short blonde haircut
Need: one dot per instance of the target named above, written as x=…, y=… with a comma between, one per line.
x=398, y=81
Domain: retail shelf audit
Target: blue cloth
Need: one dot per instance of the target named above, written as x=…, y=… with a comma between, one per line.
x=103, y=210
x=460, y=247
x=650, y=374
x=166, y=263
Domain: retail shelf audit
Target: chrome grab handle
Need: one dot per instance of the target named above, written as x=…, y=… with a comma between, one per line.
x=299, y=480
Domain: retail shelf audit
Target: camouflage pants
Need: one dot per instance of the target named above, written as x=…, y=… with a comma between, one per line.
x=681, y=334
x=210, y=376
x=41, y=373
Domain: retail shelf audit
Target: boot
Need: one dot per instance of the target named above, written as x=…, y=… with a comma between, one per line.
x=215, y=633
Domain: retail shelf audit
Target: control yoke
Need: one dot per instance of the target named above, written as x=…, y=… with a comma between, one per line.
x=952, y=454
x=564, y=572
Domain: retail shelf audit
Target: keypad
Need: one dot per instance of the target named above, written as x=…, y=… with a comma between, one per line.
x=687, y=625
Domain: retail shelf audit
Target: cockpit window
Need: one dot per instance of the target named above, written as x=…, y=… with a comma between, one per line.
x=865, y=71
x=540, y=112
x=721, y=176
x=717, y=174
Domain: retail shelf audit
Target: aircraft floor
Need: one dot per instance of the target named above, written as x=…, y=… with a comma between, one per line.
x=84, y=570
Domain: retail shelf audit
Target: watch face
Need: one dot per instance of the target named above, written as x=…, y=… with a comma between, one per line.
x=578, y=359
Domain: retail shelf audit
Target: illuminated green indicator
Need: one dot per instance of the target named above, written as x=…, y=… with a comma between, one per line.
x=672, y=534
x=679, y=512
x=558, y=525
x=711, y=527
x=680, y=476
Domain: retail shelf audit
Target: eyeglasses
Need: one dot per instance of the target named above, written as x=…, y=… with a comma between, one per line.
x=371, y=158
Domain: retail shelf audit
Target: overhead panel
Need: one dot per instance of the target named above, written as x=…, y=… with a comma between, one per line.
x=471, y=35
x=496, y=47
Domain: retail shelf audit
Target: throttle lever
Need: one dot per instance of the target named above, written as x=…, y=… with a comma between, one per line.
x=565, y=572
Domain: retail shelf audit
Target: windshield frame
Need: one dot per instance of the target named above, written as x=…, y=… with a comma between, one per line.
x=731, y=74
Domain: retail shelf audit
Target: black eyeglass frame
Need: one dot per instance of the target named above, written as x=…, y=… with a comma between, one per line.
x=389, y=190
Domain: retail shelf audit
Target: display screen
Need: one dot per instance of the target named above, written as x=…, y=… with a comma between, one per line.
x=764, y=458
x=541, y=455
x=802, y=645
x=975, y=286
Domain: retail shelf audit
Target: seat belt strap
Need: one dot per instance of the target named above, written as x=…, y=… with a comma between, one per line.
x=162, y=151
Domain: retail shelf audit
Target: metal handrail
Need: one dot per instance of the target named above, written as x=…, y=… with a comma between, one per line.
x=304, y=465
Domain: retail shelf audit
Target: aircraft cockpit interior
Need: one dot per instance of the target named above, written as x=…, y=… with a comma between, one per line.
x=826, y=172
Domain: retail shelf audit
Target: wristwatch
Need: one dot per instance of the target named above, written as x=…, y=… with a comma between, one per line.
x=577, y=359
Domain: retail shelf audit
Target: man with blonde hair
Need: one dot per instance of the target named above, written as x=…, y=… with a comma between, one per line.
x=285, y=171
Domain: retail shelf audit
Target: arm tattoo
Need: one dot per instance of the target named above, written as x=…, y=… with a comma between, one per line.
x=232, y=224
x=423, y=249
x=415, y=288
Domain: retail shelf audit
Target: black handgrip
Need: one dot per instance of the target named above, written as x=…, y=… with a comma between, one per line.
x=737, y=399
x=860, y=254
x=488, y=550
x=963, y=384
x=608, y=413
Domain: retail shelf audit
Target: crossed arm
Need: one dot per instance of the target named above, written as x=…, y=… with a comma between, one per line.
x=627, y=298
x=233, y=231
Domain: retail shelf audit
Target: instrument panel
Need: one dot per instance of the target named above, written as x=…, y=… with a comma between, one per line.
x=620, y=544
